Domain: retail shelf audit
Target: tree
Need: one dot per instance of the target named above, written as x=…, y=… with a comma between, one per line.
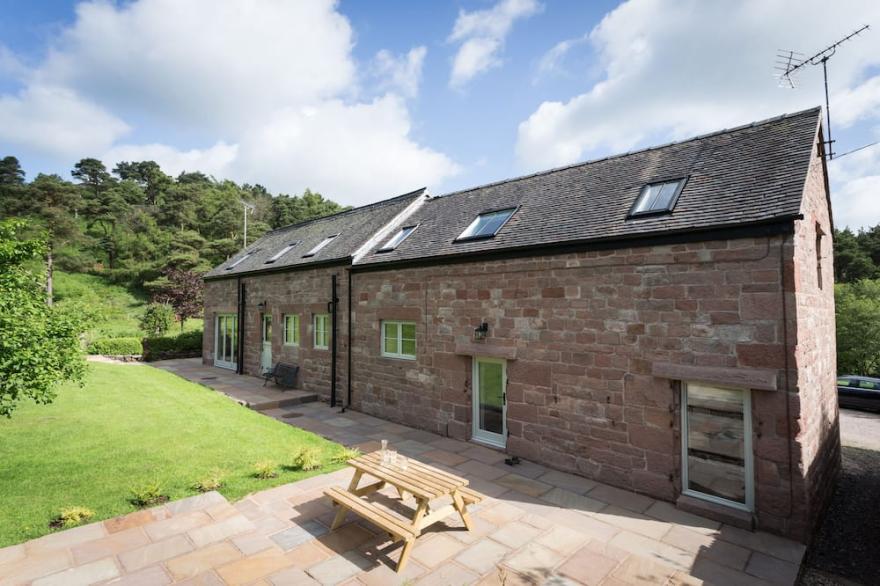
x=157, y=319
x=39, y=345
x=182, y=290
x=857, y=308
x=93, y=174
x=52, y=201
x=11, y=172
x=288, y=209
x=149, y=175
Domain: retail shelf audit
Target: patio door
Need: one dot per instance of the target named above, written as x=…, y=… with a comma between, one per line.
x=490, y=402
x=226, y=341
x=266, y=353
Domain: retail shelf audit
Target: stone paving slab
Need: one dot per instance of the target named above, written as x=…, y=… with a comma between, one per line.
x=536, y=526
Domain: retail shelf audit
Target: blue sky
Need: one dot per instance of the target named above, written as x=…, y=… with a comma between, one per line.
x=363, y=100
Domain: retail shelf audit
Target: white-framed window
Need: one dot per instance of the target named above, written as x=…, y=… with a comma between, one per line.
x=399, y=339
x=716, y=446
x=399, y=237
x=321, y=331
x=320, y=246
x=486, y=225
x=239, y=261
x=291, y=329
x=281, y=252
x=657, y=198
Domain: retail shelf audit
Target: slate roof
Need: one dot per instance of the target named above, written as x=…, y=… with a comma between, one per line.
x=741, y=176
x=354, y=227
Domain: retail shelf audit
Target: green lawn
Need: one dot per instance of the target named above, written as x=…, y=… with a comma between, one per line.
x=117, y=309
x=127, y=426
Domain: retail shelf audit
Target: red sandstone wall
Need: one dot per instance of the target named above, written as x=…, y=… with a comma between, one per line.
x=304, y=292
x=586, y=329
x=815, y=356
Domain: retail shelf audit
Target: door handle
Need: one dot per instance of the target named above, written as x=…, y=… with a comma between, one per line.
x=504, y=398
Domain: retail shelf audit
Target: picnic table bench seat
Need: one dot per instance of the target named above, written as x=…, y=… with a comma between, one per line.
x=398, y=529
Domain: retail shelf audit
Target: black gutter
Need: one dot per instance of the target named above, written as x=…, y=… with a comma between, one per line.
x=332, y=305
x=239, y=350
x=282, y=269
x=350, y=343
x=776, y=226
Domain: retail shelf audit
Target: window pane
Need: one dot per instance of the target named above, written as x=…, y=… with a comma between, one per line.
x=844, y=382
x=408, y=347
x=491, y=391
x=408, y=331
x=398, y=238
x=486, y=224
x=649, y=193
x=391, y=345
x=866, y=384
x=716, y=442
x=664, y=198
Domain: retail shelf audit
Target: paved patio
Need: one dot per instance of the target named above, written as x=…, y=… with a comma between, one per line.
x=247, y=390
x=538, y=526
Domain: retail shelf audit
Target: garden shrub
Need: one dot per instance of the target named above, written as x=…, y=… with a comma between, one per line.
x=71, y=517
x=346, y=454
x=148, y=494
x=157, y=319
x=308, y=458
x=211, y=481
x=187, y=343
x=116, y=346
x=265, y=469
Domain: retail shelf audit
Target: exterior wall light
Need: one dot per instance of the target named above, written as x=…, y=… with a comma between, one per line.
x=481, y=331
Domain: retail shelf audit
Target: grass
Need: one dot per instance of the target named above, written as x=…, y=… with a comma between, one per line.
x=129, y=427
x=116, y=309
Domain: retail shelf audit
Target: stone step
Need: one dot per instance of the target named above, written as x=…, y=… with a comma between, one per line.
x=295, y=398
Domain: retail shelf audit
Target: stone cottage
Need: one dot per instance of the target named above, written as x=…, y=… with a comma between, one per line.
x=661, y=320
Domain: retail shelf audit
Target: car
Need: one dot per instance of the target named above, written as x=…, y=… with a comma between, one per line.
x=858, y=392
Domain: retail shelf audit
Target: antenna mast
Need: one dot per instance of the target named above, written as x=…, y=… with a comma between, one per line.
x=792, y=62
x=247, y=208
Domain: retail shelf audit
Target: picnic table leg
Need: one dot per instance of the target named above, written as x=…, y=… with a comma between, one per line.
x=404, y=555
x=340, y=514
x=417, y=518
x=461, y=507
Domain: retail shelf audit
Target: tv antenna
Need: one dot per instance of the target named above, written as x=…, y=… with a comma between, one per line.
x=248, y=209
x=790, y=63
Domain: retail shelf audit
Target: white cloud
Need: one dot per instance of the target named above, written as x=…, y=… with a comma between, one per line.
x=400, y=74
x=270, y=87
x=356, y=153
x=204, y=62
x=673, y=69
x=551, y=61
x=676, y=69
x=482, y=34
x=215, y=161
x=58, y=122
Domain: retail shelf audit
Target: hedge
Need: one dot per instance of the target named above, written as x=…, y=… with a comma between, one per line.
x=115, y=346
x=181, y=345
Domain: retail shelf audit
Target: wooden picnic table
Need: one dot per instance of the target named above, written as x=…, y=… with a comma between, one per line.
x=424, y=482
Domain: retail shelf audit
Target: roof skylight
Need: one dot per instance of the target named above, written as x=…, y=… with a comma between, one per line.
x=238, y=262
x=320, y=246
x=281, y=252
x=398, y=238
x=657, y=198
x=487, y=224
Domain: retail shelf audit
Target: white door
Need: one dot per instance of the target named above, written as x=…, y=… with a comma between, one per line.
x=226, y=341
x=266, y=354
x=490, y=401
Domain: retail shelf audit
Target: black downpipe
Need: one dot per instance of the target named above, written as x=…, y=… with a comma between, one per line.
x=350, y=341
x=334, y=301
x=239, y=351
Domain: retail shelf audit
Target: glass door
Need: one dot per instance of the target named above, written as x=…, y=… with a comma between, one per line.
x=717, y=462
x=226, y=341
x=490, y=401
x=266, y=354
